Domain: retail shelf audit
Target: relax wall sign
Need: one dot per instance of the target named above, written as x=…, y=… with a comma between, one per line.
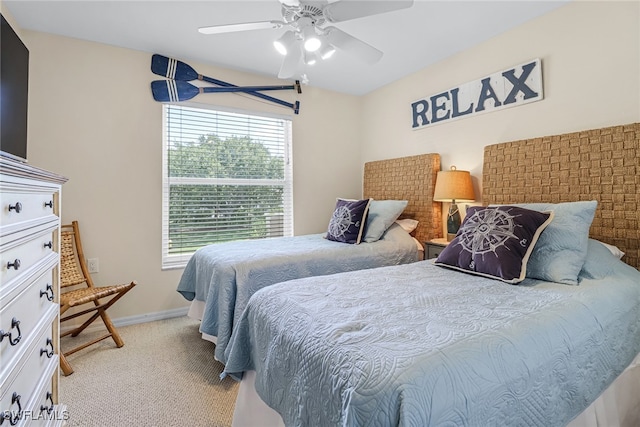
x=515, y=86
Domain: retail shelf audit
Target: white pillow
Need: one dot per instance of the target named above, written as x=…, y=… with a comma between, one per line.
x=613, y=249
x=562, y=248
x=382, y=213
x=407, y=224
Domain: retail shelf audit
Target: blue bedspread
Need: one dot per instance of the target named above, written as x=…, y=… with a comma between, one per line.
x=226, y=275
x=419, y=345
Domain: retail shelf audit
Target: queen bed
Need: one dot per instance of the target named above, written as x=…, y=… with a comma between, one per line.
x=426, y=344
x=219, y=279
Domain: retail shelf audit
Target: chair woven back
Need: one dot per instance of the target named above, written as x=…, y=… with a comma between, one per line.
x=70, y=269
x=74, y=272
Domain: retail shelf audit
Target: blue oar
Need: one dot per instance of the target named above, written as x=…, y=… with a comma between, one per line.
x=175, y=90
x=178, y=70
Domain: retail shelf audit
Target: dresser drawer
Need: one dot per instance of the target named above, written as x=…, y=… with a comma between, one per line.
x=23, y=318
x=18, y=258
x=20, y=394
x=45, y=413
x=25, y=206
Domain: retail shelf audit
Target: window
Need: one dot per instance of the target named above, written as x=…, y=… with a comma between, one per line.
x=227, y=176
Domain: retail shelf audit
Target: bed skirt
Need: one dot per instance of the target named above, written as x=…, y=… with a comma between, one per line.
x=195, y=312
x=618, y=406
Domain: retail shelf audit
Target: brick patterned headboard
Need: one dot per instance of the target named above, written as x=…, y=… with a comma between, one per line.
x=413, y=179
x=599, y=164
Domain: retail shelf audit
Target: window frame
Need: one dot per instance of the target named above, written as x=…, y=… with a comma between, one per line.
x=175, y=261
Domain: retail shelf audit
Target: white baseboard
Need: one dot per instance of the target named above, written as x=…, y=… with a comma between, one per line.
x=133, y=320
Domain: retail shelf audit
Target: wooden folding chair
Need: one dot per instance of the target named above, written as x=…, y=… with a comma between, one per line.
x=77, y=289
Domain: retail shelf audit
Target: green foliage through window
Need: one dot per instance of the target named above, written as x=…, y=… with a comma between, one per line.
x=227, y=177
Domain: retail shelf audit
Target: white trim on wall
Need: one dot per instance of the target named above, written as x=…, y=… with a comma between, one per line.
x=134, y=320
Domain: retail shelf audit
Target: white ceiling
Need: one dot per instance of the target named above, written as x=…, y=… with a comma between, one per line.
x=411, y=39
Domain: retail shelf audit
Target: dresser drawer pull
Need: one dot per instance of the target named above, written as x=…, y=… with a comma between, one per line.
x=48, y=292
x=49, y=244
x=48, y=204
x=13, y=416
x=15, y=323
x=46, y=351
x=47, y=409
x=15, y=264
x=17, y=207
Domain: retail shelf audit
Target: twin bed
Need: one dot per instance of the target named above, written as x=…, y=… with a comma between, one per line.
x=421, y=344
x=418, y=345
x=220, y=279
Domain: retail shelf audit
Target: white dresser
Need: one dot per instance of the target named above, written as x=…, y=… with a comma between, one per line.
x=29, y=285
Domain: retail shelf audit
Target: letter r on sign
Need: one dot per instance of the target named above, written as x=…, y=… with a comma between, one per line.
x=420, y=109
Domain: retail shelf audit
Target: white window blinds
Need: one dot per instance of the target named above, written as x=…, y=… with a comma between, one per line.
x=226, y=176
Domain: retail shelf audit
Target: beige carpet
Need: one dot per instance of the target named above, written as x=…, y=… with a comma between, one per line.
x=165, y=375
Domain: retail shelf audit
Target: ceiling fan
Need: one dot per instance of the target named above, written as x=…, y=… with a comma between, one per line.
x=309, y=37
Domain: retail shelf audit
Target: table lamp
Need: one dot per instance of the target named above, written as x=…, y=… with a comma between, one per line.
x=451, y=186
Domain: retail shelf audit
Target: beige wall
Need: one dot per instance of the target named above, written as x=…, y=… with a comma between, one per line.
x=92, y=118
x=590, y=54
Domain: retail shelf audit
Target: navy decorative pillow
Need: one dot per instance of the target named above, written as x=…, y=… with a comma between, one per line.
x=348, y=220
x=495, y=242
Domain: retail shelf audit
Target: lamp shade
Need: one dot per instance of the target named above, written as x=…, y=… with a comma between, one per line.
x=454, y=185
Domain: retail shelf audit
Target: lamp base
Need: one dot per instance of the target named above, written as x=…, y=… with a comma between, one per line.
x=453, y=222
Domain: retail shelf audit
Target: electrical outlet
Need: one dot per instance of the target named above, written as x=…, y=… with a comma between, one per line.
x=93, y=265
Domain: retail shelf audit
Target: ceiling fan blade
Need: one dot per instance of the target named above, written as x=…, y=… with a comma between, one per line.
x=345, y=10
x=290, y=2
x=291, y=64
x=246, y=26
x=356, y=47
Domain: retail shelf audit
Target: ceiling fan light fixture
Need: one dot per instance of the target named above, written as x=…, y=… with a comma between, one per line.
x=285, y=42
x=308, y=39
x=326, y=51
x=310, y=58
x=311, y=40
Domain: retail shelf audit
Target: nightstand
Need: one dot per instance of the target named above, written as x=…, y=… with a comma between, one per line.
x=434, y=247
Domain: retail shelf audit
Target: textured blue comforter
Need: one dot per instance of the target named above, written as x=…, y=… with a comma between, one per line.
x=419, y=345
x=226, y=275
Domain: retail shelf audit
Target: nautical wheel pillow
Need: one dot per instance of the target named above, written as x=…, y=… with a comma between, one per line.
x=348, y=220
x=495, y=242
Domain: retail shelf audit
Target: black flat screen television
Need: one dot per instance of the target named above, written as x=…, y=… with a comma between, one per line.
x=14, y=93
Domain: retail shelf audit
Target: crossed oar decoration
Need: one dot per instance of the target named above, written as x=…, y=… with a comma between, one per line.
x=178, y=74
